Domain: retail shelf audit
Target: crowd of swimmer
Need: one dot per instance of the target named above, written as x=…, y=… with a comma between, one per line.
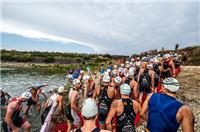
x=119, y=98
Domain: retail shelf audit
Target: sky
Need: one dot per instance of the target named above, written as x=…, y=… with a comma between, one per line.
x=120, y=28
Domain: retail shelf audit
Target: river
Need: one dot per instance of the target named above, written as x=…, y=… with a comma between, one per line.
x=17, y=81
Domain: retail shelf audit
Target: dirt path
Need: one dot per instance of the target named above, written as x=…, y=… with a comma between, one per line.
x=190, y=89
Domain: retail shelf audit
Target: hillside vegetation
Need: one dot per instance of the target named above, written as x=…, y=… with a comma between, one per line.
x=54, y=61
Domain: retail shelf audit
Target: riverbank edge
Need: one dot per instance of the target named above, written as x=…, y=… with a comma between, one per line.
x=51, y=67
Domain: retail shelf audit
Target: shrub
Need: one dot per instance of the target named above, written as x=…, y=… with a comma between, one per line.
x=49, y=59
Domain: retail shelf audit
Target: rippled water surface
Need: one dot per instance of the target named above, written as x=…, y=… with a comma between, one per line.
x=16, y=81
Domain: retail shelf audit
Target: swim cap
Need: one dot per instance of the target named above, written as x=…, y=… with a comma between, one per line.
x=127, y=62
x=81, y=71
x=61, y=89
x=108, y=70
x=86, y=77
x=118, y=79
x=106, y=78
x=89, y=108
x=171, y=84
x=26, y=95
x=76, y=81
x=167, y=56
x=106, y=73
x=125, y=89
x=115, y=66
x=131, y=73
x=149, y=66
x=51, y=90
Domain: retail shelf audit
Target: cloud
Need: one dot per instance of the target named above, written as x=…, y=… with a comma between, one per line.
x=115, y=28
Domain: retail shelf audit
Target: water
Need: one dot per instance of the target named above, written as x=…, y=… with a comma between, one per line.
x=17, y=81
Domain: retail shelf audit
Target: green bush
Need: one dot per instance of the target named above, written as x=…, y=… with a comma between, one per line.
x=49, y=59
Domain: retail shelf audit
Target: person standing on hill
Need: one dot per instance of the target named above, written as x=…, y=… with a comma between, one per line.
x=164, y=113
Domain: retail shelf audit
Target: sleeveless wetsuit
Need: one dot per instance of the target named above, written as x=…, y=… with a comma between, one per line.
x=145, y=82
x=104, y=104
x=156, y=75
x=125, y=122
x=166, y=72
x=162, y=113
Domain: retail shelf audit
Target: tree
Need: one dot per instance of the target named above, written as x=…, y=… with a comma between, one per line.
x=163, y=48
x=176, y=46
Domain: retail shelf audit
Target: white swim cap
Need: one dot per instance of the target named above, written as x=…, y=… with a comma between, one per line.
x=86, y=77
x=89, y=108
x=61, y=89
x=118, y=79
x=81, y=71
x=125, y=89
x=76, y=81
x=106, y=73
x=106, y=78
x=171, y=84
x=108, y=70
x=167, y=56
x=26, y=95
x=131, y=73
x=115, y=66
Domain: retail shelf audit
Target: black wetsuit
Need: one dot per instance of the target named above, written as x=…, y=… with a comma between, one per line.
x=125, y=122
x=104, y=104
x=166, y=73
x=156, y=75
x=145, y=82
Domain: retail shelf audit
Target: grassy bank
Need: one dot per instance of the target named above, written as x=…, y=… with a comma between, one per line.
x=54, y=61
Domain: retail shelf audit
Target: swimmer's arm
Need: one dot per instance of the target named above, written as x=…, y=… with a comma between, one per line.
x=111, y=114
x=60, y=103
x=144, y=110
x=137, y=110
x=186, y=119
x=73, y=102
x=135, y=90
x=44, y=95
x=8, y=117
x=152, y=80
x=173, y=69
x=45, y=105
x=138, y=79
x=95, y=94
